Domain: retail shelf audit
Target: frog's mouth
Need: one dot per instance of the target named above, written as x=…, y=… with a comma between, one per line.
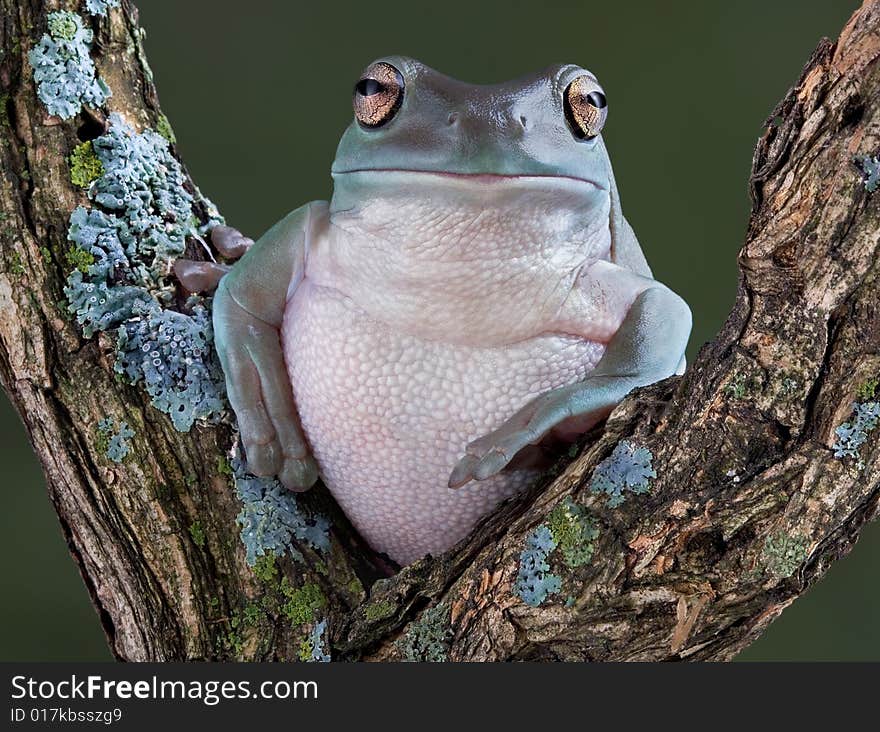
x=486, y=178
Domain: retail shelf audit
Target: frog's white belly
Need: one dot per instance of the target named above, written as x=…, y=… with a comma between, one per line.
x=388, y=415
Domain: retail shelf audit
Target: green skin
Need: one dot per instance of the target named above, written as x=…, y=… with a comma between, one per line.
x=454, y=146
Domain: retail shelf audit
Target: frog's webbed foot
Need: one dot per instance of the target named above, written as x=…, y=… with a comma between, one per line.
x=491, y=453
x=205, y=276
x=648, y=347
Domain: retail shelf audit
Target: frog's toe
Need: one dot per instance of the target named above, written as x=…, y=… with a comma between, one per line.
x=489, y=455
x=463, y=472
x=263, y=458
x=299, y=474
x=492, y=463
x=509, y=430
x=258, y=435
x=199, y=276
x=231, y=243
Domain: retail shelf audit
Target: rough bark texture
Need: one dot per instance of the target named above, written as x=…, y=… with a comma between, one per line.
x=749, y=506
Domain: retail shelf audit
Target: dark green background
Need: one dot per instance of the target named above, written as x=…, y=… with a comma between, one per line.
x=259, y=92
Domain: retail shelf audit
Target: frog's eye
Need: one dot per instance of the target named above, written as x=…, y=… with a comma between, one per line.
x=585, y=107
x=377, y=95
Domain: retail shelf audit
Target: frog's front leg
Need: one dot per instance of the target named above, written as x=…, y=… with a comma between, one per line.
x=248, y=312
x=646, y=327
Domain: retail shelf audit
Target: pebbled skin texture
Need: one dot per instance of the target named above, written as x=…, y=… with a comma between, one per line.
x=388, y=415
x=471, y=288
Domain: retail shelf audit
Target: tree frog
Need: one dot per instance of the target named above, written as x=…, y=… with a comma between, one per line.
x=470, y=291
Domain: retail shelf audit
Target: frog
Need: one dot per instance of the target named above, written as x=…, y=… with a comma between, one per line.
x=470, y=295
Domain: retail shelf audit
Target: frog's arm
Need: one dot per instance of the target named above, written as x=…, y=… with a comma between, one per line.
x=646, y=328
x=248, y=312
x=626, y=250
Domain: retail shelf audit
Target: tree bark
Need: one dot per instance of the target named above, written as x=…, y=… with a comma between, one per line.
x=748, y=508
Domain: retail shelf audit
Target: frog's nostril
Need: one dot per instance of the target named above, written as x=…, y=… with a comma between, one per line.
x=453, y=118
x=524, y=122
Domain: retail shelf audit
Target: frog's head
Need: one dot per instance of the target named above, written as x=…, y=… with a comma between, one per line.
x=411, y=118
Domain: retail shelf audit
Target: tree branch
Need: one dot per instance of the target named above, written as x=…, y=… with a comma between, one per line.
x=749, y=504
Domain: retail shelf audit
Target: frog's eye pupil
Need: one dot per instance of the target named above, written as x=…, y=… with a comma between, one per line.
x=369, y=87
x=378, y=95
x=585, y=107
x=597, y=99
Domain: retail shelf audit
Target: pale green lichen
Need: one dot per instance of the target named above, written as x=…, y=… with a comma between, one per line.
x=253, y=614
x=163, y=127
x=301, y=603
x=16, y=266
x=569, y=529
x=379, y=610
x=224, y=467
x=868, y=390
x=783, y=553
x=429, y=637
x=355, y=587
x=233, y=639
x=574, y=533
x=85, y=165
x=79, y=259
x=5, y=122
x=197, y=533
x=63, y=26
x=265, y=568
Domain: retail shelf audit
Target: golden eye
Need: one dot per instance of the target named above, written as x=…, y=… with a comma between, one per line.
x=377, y=95
x=585, y=107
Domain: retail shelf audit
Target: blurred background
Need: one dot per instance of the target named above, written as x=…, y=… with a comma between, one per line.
x=259, y=94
